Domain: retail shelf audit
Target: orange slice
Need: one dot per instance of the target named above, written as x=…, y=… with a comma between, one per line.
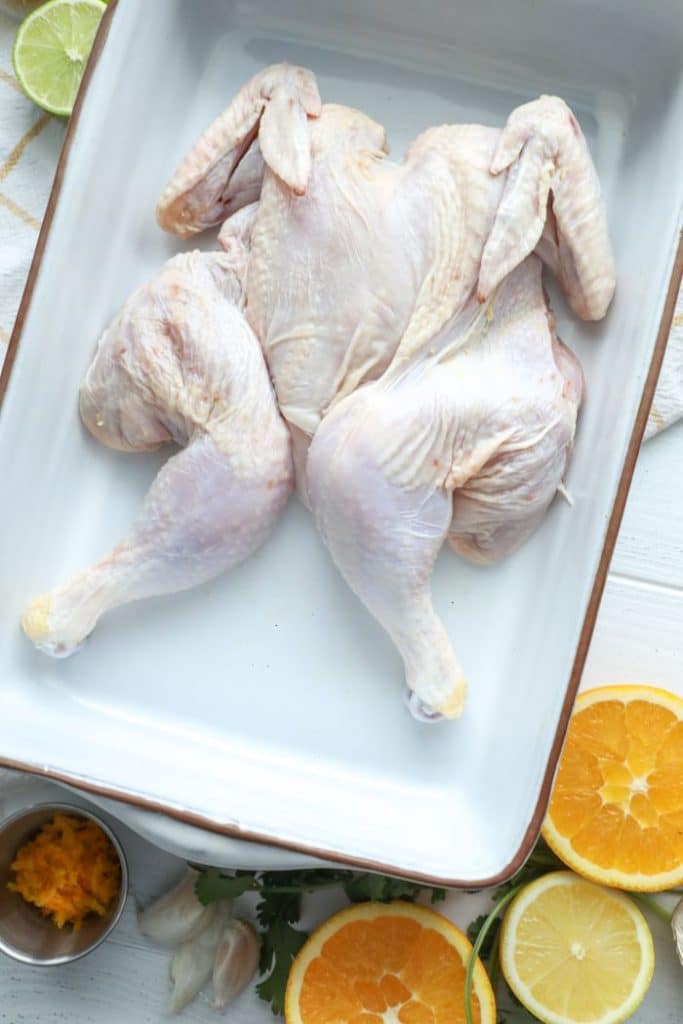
x=386, y=963
x=616, y=812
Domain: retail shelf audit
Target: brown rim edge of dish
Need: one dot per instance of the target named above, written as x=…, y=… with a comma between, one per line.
x=625, y=478
x=13, y=344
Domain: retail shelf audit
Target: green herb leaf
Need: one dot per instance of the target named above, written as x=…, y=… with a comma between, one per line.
x=274, y=907
x=366, y=886
x=213, y=885
x=475, y=927
x=281, y=943
x=301, y=881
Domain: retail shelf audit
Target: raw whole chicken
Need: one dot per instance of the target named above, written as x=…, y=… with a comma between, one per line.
x=401, y=312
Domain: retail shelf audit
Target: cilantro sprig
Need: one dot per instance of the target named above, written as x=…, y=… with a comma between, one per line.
x=278, y=910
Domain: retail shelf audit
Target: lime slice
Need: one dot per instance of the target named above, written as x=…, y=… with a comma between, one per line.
x=52, y=49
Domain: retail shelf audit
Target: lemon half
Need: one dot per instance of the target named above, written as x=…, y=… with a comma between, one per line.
x=576, y=953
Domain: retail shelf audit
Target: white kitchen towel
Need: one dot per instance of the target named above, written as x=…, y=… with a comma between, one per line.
x=30, y=142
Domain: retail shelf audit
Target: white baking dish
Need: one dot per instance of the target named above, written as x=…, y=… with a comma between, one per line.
x=266, y=705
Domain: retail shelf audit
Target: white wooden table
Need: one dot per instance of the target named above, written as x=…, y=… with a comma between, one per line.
x=639, y=639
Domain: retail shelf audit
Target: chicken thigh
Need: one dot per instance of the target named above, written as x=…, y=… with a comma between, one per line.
x=180, y=364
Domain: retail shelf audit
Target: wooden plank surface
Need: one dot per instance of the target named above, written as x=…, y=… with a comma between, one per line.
x=650, y=545
x=639, y=632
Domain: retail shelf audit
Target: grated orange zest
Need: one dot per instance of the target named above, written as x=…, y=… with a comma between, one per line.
x=69, y=870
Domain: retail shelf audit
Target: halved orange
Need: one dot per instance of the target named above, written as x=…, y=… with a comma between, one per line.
x=379, y=962
x=616, y=811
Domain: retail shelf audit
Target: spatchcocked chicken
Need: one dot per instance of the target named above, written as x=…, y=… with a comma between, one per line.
x=411, y=348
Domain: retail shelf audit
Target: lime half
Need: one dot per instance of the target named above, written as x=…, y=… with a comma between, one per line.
x=52, y=49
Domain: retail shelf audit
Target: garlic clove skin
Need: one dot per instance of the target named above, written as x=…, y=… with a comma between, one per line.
x=677, y=929
x=177, y=916
x=192, y=965
x=235, y=963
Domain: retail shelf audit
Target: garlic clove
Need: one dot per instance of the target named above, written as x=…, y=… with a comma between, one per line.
x=235, y=963
x=677, y=929
x=177, y=916
x=192, y=965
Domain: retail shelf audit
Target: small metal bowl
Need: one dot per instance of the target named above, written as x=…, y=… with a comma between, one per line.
x=25, y=934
